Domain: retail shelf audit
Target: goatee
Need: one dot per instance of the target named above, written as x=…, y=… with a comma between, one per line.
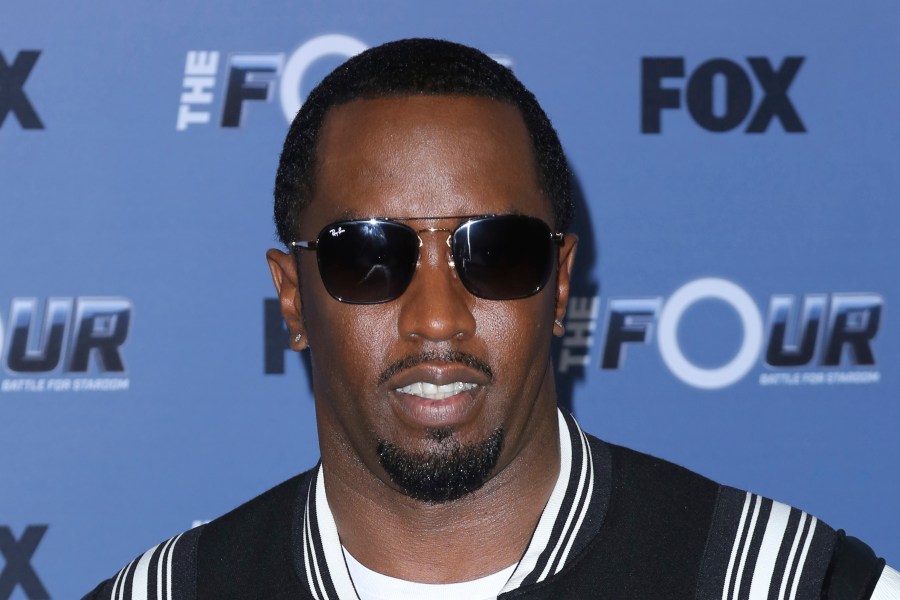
x=446, y=472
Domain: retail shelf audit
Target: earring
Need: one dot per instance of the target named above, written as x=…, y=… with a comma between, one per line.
x=562, y=328
x=297, y=338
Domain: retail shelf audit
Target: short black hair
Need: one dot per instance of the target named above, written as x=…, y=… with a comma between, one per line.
x=406, y=68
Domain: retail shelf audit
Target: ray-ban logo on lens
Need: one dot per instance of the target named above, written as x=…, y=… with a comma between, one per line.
x=336, y=232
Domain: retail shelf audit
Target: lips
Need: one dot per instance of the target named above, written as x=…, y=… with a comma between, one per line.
x=437, y=394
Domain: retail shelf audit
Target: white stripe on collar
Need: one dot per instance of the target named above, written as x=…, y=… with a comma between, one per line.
x=331, y=543
x=541, y=537
x=587, y=474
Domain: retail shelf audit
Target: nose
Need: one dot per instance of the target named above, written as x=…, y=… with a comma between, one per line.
x=436, y=306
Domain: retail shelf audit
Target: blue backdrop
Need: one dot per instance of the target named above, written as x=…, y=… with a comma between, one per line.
x=738, y=172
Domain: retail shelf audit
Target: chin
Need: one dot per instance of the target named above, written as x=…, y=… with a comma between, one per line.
x=447, y=470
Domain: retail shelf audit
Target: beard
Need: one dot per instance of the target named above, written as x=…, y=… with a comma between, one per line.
x=446, y=472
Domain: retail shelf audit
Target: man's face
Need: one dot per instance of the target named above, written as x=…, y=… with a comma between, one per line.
x=428, y=159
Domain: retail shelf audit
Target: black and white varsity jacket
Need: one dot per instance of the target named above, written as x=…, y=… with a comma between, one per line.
x=623, y=525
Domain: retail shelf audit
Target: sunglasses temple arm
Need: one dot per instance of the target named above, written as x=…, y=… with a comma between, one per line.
x=303, y=244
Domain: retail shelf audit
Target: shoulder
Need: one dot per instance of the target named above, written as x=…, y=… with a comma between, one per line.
x=168, y=570
x=250, y=552
x=735, y=544
x=233, y=542
x=757, y=545
x=761, y=548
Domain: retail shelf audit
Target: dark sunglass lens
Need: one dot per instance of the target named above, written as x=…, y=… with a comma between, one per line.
x=504, y=258
x=367, y=262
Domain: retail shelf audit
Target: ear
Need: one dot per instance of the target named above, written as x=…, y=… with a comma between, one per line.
x=563, y=281
x=284, y=276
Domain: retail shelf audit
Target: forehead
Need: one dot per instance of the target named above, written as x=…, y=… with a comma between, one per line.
x=417, y=156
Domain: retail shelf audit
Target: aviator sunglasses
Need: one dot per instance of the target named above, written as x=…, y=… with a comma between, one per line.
x=497, y=257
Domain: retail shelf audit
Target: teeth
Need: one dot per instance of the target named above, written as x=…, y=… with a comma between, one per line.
x=430, y=391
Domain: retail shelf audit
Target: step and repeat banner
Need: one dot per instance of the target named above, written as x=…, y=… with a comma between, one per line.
x=733, y=308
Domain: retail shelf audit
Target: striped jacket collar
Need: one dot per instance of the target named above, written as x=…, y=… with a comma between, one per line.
x=561, y=533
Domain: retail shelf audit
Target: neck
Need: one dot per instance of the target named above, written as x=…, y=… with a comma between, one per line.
x=479, y=534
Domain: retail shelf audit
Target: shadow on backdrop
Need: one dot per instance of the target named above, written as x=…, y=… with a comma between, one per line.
x=571, y=353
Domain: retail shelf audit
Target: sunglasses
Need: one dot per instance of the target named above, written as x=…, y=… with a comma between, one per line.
x=497, y=257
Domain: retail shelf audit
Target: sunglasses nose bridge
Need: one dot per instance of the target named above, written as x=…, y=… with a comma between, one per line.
x=449, y=241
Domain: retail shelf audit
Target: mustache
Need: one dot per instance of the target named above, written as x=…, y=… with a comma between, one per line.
x=448, y=356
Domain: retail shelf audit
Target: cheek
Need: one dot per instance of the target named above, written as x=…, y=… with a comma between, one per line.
x=517, y=333
x=348, y=342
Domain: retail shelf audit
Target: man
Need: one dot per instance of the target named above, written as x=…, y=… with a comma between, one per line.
x=423, y=197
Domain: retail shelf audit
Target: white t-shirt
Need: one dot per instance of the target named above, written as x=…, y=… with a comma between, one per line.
x=371, y=585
